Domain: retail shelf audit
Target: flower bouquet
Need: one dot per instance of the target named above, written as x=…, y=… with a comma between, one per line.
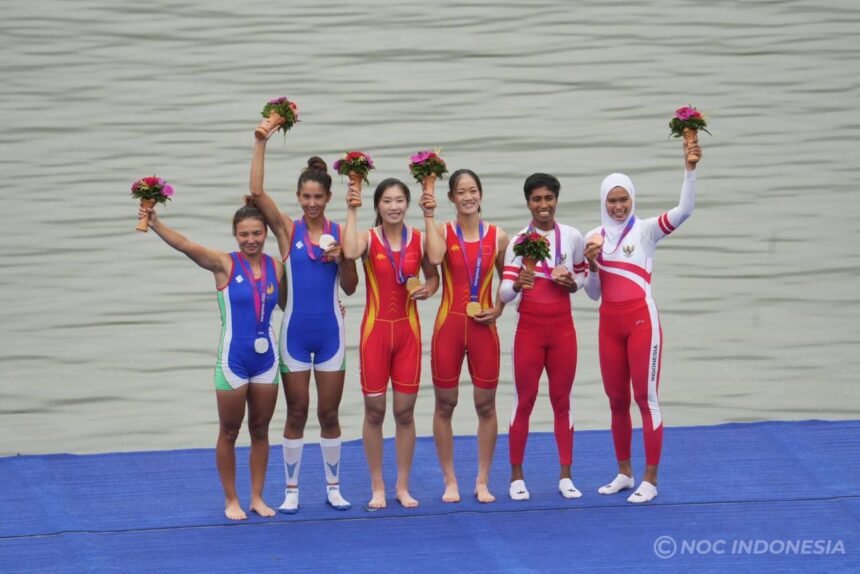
x=150, y=190
x=425, y=167
x=280, y=113
x=687, y=122
x=355, y=165
x=532, y=247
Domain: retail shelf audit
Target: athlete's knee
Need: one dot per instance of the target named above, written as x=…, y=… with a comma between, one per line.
x=642, y=401
x=374, y=415
x=259, y=431
x=404, y=416
x=328, y=418
x=486, y=409
x=297, y=414
x=526, y=404
x=229, y=431
x=445, y=406
x=619, y=403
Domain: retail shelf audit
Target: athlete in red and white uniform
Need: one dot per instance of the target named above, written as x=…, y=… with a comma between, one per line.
x=620, y=256
x=468, y=249
x=545, y=335
x=390, y=332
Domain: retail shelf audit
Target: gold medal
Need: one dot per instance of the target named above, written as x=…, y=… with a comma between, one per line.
x=473, y=308
x=412, y=284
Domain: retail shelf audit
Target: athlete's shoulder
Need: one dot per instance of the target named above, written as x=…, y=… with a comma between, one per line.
x=593, y=232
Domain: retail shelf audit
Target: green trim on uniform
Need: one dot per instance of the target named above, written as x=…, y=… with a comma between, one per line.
x=221, y=383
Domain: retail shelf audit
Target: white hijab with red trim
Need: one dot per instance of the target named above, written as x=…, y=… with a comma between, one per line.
x=614, y=229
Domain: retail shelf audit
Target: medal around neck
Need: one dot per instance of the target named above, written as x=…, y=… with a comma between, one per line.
x=326, y=241
x=473, y=308
x=413, y=284
x=261, y=345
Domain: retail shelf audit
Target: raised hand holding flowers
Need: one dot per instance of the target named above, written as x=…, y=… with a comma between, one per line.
x=280, y=113
x=150, y=190
x=686, y=123
x=532, y=247
x=425, y=167
x=355, y=165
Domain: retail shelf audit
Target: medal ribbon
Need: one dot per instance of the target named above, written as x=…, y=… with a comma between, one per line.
x=401, y=279
x=544, y=266
x=627, y=229
x=259, y=289
x=473, y=281
x=307, y=238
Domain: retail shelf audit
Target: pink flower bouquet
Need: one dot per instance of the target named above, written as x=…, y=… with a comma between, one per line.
x=355, y=165
x=150, y=190
x=426, y=164
x=280, y=113
x=687, y=122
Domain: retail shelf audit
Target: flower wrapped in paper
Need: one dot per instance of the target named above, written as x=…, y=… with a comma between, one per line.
x=532, y=247
x=686, y=123
x=355, y=165
x=280, y=114
x=149, y=191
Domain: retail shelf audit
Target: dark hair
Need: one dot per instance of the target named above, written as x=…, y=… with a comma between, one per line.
x=316, y=171
x=538, y=180
x=248, y=211
x=455, y=178
x=380, y=189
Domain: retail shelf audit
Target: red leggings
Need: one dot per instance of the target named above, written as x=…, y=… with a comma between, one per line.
x=631, y=347
x=543, y=341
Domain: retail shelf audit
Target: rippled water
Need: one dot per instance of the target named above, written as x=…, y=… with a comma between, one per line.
x=109, y=337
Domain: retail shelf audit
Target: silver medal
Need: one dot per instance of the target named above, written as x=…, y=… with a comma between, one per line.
x=261, y=345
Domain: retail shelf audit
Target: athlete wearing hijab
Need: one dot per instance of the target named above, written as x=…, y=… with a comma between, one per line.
x=620, y=256
x=545, y=335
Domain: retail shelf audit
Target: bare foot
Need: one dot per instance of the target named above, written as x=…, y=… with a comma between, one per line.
x=233, y=510
x=406, y=500
x=261, y=508
x=377, y=501
x=483, y=493
x=452, y=493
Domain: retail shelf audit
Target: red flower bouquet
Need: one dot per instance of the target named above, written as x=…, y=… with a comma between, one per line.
x=532, y=247
x=150, y=190
x=355, y=165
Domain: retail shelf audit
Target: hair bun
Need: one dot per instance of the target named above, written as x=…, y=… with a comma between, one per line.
x=318, y=164
x=249, y=201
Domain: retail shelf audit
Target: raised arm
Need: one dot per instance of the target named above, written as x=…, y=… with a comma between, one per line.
x=435, y=242
x=659, y=227
x=354, y=243
x=280, y=224
x=218, y=262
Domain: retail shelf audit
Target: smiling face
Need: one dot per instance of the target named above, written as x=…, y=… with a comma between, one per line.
x=313, y=198
x=251, y=236
x=618, y=203
x=466, y=195
x=392, y=205
x=542, y=204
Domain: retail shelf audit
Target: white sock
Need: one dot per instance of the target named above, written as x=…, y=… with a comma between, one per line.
x=518, y=490
x=644, y=493
x=567, y=490
x=331, y=459
x=293, y=459
x=619, y=483
x=334, y=498
x=291, y=501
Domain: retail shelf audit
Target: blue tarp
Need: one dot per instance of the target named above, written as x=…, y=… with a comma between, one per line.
x=776, y=496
